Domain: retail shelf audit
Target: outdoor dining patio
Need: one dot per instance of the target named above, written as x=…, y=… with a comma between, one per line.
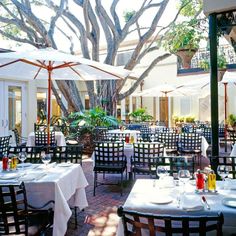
x=118, y=118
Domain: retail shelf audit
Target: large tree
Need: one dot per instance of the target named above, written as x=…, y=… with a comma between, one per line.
x=81, y=24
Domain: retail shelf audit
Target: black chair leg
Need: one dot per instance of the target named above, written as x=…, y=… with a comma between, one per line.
x=94, y=182
x=76, y=220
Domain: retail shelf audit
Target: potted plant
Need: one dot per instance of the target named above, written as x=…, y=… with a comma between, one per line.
x=140, y=115
x=232, y=121
x=183, y=40
x=83, y=125
x=221, y=64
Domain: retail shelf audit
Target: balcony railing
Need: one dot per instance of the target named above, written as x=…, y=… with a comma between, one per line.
x=204, y=54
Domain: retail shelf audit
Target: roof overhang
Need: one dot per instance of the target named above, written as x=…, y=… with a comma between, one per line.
x=218, y=6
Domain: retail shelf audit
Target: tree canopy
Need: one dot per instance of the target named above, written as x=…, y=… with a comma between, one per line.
x=87, y=27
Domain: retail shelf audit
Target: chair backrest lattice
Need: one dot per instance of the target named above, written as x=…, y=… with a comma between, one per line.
x=13, y=208
x=4, y=144
x=190, y=142
x=137, y=223
x=41, y=138
x=154, y=149
x=207, y=134
x=33, y=153
x=71, y=154
x=109, y=153
x=232, y=136
x=170, y=140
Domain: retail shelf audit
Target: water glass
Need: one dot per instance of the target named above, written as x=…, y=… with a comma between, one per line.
x=223, y=172
x=161, y=171
x=22, y=157
x=184, y=176
x=46, y=158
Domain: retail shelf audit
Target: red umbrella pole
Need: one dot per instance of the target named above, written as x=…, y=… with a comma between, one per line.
x=49, y=100
x=225, y=101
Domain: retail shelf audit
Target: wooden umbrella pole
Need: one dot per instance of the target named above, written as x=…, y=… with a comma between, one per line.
x=49, y=68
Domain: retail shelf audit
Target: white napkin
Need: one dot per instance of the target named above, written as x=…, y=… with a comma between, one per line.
x=191, y=203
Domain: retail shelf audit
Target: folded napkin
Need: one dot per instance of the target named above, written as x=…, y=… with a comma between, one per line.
x=32, y=176
x=191, y=203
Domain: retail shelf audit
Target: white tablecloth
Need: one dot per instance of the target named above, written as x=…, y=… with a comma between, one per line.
x=233, y=152
x=64, y=185
x=144, y=201
x=59, y=136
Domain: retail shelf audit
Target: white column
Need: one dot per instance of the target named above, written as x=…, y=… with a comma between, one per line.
x=32, y=106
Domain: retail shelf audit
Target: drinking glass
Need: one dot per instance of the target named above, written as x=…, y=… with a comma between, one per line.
x=22, y=157
x=223, y=172
x=184, y=176
x=46, y=158
x=161, y=171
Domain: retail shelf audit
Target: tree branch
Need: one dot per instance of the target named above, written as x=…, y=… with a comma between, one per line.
x=144, y=75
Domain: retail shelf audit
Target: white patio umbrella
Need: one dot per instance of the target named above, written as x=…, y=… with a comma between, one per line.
x=229, y=78
x=165, y=90
x=52, y=64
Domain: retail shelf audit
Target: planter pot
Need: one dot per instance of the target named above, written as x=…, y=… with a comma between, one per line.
x=186, y=56
x=221, y=73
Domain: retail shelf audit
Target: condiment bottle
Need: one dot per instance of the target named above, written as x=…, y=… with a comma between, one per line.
x=132, y=139
x=5, y=163
x=212, y=181
x=200, y=181
x=127, y=139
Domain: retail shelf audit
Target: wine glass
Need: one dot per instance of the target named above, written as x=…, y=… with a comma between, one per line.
x=161, y=171
x=46, y=158
x=22, y=157
x=184, y=176
x=223, y=172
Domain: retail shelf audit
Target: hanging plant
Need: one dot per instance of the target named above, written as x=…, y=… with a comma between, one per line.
x=183, y=40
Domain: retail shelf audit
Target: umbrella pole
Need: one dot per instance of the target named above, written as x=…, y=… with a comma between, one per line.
x=225, y=101
x=49, y=68
x=166, y=104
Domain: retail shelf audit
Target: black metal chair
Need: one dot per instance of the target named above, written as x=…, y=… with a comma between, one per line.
x=170, y=141
x=137, y=223
x=41, y=138
x=181, y=163
x=72, y=153
x=145, y=157
x=4, y=145
x=232, y=137
x=19, y=218
x=20, y=140
x=33, y=153
x=190, y=144
x=109, y=158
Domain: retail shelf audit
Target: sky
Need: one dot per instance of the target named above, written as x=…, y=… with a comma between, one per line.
x=124, y=5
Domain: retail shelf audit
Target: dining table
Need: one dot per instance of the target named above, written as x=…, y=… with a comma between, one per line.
x=171, y=197
x=59, y=136
x=63, y=183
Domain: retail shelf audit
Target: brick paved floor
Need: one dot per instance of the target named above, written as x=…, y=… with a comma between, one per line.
x=100, y=218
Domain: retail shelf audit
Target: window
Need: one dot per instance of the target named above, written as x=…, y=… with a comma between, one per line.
x=42, y=106
x=123, y=57
x=185, y=106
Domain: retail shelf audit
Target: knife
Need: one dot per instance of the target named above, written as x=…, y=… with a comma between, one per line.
x=206, y=203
